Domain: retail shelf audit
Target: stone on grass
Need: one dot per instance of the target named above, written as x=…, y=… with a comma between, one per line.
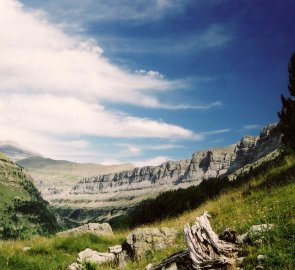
x=115, y=249
x=74, y=266
x=260, y=259
x=149, y=266
x=95, y=257
x=142, y=240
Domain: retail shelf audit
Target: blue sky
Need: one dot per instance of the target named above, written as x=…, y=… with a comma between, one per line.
x=141, y=81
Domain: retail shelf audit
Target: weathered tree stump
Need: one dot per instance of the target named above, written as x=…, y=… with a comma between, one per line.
x=207, y=251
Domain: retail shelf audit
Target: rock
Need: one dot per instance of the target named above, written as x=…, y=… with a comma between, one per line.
x=254, y=231
x=75, y=266
x=243, y=238
x=239, y=261
x=257, y=229
x=94, y=256
x=115, y=249
x=202, y=165
x=261, y=259
x=122, y=258
x=94, y=228
x=145, y=239
x=149, y=266
x=26, y=249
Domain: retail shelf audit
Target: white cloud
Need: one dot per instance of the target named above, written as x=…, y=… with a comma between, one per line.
x=253, y=126
x=53, y=87
x=66, y=116
x=150, y=73
x=117, y=10
x=154, y=161
x=193, y=107
x=136, y=149
x=218, y=131
x=151, y=162
x=37, y=57
x=210, y=38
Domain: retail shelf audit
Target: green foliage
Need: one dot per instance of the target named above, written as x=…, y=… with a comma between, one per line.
x=287, y=114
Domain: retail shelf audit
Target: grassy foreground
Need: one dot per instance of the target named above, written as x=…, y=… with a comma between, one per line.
x=267, y=197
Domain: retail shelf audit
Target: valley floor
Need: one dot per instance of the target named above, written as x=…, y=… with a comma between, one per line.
x=267, y=197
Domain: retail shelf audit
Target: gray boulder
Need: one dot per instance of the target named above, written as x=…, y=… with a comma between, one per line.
x=75, y=266
x=115, y=249
x=145, y=239
x=96, y=257
x=255, y=231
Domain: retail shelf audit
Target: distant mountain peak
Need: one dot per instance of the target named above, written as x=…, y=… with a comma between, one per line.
x=15, y=151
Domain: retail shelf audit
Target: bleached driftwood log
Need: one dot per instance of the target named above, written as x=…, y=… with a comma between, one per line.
x=207, y=251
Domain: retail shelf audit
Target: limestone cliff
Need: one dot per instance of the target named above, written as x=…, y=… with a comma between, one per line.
x=202, y=165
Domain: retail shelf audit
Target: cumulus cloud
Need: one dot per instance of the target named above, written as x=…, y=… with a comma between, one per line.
x=53, y=87
x=37, y=57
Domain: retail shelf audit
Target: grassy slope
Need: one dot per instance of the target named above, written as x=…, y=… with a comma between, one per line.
x=269, y=197
x=23, y=212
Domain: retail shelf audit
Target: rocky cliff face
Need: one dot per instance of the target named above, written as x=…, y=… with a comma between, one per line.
x=202, y=165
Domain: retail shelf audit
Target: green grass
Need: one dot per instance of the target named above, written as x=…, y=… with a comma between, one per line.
x=50, y=253
x=268, y=197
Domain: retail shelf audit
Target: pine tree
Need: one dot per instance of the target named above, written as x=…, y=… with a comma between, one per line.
x=287, y=114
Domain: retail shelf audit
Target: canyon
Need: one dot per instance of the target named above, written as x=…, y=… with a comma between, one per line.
x=102, y=197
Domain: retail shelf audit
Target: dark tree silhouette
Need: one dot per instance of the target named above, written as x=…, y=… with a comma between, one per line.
x=287, y=114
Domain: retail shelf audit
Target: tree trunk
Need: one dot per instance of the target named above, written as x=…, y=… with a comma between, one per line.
x=207, y=251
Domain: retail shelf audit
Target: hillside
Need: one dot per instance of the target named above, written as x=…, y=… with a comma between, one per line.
x=264, y=195
x=23, y=212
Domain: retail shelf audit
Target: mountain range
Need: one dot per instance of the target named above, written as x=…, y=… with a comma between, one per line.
x=102, y=197
x=84, y=192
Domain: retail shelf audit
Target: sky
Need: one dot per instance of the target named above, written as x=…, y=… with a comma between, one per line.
x=117, y=81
